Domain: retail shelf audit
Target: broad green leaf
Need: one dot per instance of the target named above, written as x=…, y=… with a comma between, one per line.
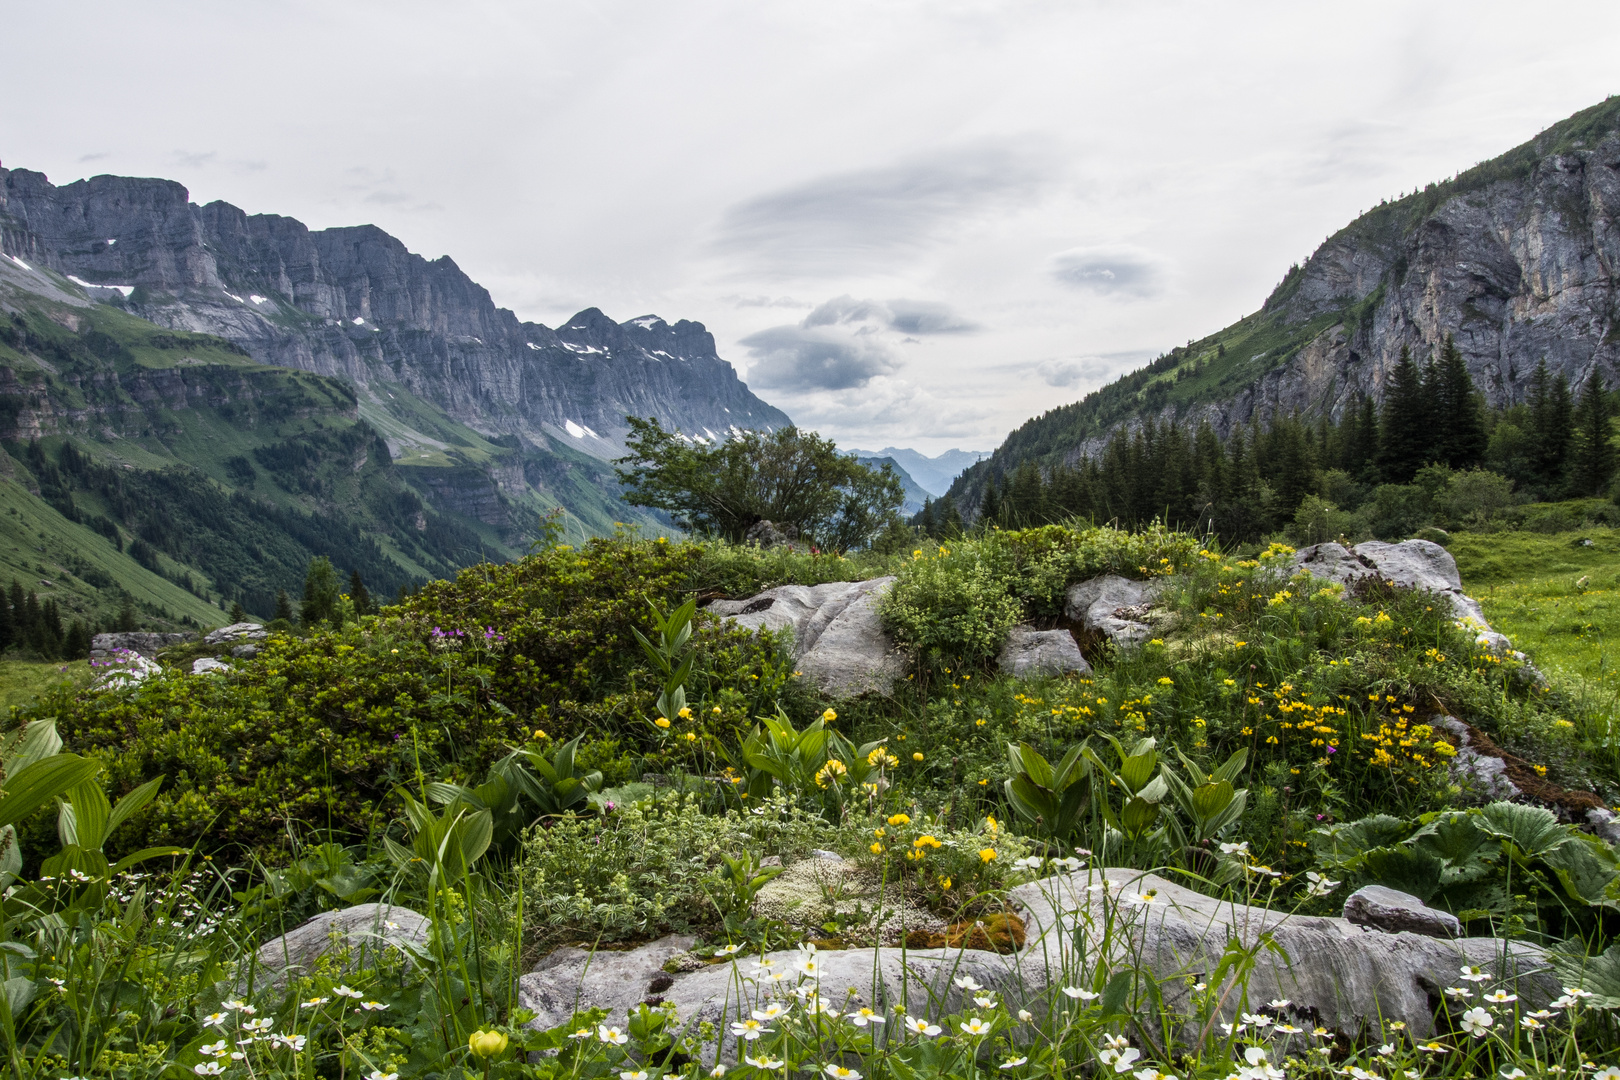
x=32, y=787
x=129, y=805
x=1533, y=831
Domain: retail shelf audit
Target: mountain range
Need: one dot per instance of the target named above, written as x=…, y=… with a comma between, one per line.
x=933, y=474
x=332, y=392
x=1518, y=258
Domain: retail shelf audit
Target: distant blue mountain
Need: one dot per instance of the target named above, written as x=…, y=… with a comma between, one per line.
x=932, y=474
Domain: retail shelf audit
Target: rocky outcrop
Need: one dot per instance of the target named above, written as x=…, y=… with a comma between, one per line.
x=816, y=891
x=363, y=932
x=353, y=302
x=839, y=640
x=1397, y=912
x=1351, y=979
x=236, y=634
x=142, y=643
x=205, y=665
x=1113, y=606
x=1030, y=652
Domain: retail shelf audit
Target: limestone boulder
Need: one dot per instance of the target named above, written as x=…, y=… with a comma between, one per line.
x=236, y=633
x=363, y=930
x=1030, y=652
x=1113, y=605
x=813, y=892
x=122, y=669
x=839, y=642
x=1394, y=911
x=142, y=643
x=203, y=665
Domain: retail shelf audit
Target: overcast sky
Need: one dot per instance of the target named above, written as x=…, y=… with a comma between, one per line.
x=911, y=224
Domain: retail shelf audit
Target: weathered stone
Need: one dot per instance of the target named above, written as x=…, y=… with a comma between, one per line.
x=571, y=979
x=770, y=534
x=1114, y=606
x=103, y=646
x=1394, y=911
x=1604, y=824
x=237, y=632
x=1483, y=774
x=245, y=652
x=363, y=930
x=816, y=891
x=123, y=669
x=1030, y=652
x=839, y=641
x=204, y=664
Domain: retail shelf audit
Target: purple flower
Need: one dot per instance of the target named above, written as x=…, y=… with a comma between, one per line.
x=609, y=806
x=1332, y=750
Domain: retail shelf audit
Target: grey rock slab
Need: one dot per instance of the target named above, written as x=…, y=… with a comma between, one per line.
x=570, y=980
x=128, y=670
x=1030, y=652
x=1393, y=911
x=1604, y=824
x=1355, y=980
x=236, y=632
x=146, y=644
x=1113, y=605
x=839, y=641
x=364, y=930
x=245, y=652
x=205, y=664
x=1484, y=774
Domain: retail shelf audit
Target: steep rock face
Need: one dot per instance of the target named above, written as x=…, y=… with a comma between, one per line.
x=354, y=302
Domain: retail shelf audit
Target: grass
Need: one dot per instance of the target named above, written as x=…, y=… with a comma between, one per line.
x=21, y=681
x=1557, y=596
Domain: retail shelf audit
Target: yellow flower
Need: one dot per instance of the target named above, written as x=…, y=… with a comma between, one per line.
x=987, y=854
x=877, y=848
x=486, y=1044
x=685, y=713
x=828, y=717
x=899, y=819
x=662, y=722
x=917, y=756
x=538, y=734
x=944, y=882
x=1167, y=681
x=691, y=737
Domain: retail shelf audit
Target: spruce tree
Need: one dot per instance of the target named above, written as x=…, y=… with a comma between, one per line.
x=237, y=614
x=1405, y=440
x=1593, y=467
x=947, y=518
x=990, y=507
x=1551, y=423
x=7, y=627
x=359, y=594
x=76, y=646
x=1459, y=426
x=284, y=611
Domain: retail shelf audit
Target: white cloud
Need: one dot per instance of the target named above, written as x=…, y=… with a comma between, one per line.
x=1115, y=270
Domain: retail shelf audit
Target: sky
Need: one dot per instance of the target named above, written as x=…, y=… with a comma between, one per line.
x=907, y=224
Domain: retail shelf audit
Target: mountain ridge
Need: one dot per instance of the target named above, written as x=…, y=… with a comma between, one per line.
x=1513, y=257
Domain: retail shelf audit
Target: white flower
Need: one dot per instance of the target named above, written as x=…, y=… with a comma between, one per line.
x=749, y=1029
x=976, y=1027
x=763, y=964
x=1459, y=992
x=841, y=1072
x=1025, y=1016
x=256, y=1026
x=313, y=1002
x=1121, y=1060
x=729, y=950
x=390, y=925
x=770, y=1012
x=1071, y=864
x=1477, y=1022
x=1387, y=1049
x=638, y=1074
x=347, y=991
x=1610, y=1073
x=764, y=1062
x=1286, y=1028
x=1501, y=997
x=1259, y=1020
x=1278, y=1003
x=378, y=1074
x=239, y=1006
x=213, y=1049
x=1234, y=849
x=718, y=1071
x=1360, y=1074
x=1142, y=899
x=921, y=1027
x=582, y=1033
x=1115, y=1042
x=207, y=1068
x=809, y=967
x=968, y=983
x=1513, y=1074
x=1013, y=1063
x=1152, y=1074
x=1474, y=974
x=1530, y=1023
x=1079, y=994
x=1576, y=992
x=1234, y=1029
x=294, y=1043
x=372, y=1006
x=613, y=1035
x=862, y=1017
x=1319, y=885
x=985, y=1001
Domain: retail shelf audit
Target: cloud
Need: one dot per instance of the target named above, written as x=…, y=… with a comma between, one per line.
x=872, y=218
x=804, y=358
x=885, y=412
x=904, y=316
x=1121, y=270
x=194, y=159
x=1071, y=371
x=93, y=157
x=763, y=301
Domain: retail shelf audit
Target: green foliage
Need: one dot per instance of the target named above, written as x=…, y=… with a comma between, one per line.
x=789, y=477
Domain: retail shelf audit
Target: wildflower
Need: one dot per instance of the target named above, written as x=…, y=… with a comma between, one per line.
x=765, y=1061
x=1513, y=1074
x=987, y=854
x=718, y=1071
x=256, y=1026
x=214, y=1020
x=613, y=1035
x=1577, y=992
x=1013, y=1063
x=728, y=950
x=809, y=967
x=1611, y=1073
x=968, y=982
x=1235, y=849
x=1286, y=1028
x=986, y=1000
x=1459, y=992
x=1477, y=1022
x=917, y=756
x=862, y=1017
x=295, y=1043
x=582, y=1033
x=662, y=722
x=1142, y=899
x=976, y=1027
x=1152, y=1074
x=1259, y=1020
x=1121, y=1060
x=841, y=1072
x=1501, y=997
x=921, y=1027
x=1530, y=1023
x=207, y=1068
x=828, y=717
x=240, y=1006
x=373, y=1006
x=637, y=1074
x=1079, y=994
x=1319, y=884
x=343, y=991
x=378, y=1074
x=770, y=1011
x=1386, y=1049
x=899, y=819
x=749, y=1029
x=1025, y=1016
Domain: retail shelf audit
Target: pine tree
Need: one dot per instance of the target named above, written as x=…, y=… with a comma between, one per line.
x=360, y=596
x=1405, y=442
x=947, y=518
x=1551, y=423
x=284, y=611
x=1593, y=467
x=8, y=634
x=76, y=646
x=1460, y=427
x=990, y=508
x=237, y=614
x=126, y=616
